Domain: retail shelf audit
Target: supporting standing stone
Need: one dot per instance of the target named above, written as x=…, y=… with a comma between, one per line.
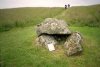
x=46, y=40
x=73, y=44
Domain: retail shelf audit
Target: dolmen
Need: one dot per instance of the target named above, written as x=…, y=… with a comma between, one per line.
x=52, y=31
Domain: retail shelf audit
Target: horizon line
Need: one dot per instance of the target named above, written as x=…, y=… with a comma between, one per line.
x=48, y=6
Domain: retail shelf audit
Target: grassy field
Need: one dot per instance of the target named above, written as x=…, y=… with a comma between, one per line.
x=17, y=37
x=18, y=49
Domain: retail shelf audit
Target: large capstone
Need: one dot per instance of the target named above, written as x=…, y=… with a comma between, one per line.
x=73, y=44
x=52, y=26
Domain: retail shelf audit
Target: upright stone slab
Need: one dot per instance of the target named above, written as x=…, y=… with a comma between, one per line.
x=73, y=44
x=45, y=40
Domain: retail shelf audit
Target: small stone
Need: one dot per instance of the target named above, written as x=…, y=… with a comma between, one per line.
x=73, y=44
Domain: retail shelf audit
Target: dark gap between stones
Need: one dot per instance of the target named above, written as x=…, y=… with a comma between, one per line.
x=60, y=38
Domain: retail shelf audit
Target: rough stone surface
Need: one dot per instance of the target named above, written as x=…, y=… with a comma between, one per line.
x=46, y=39
x=53, y=26
x=73, y=44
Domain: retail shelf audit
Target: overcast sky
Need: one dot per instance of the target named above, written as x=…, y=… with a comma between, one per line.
x=45, y=3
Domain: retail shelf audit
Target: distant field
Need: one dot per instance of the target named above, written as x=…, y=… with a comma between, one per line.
x=21, y=17
x=18, y=49
x=74, y=16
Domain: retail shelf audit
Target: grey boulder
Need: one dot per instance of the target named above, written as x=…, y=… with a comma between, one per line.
x=73, y=44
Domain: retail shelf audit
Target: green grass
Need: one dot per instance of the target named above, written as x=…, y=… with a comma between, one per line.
x=18, y=49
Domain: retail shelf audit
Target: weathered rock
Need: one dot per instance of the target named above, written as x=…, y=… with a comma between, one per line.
x=52, y=26
x=44, y=40
x=73, y=44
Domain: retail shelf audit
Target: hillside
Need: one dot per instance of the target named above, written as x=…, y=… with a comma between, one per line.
x=77, y=16
x=82, y=16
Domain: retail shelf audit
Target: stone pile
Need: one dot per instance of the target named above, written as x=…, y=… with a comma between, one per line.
x=51, y=31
